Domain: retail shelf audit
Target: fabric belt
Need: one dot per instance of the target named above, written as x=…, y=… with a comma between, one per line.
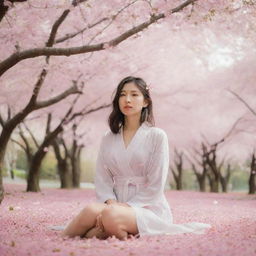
x=125, y=181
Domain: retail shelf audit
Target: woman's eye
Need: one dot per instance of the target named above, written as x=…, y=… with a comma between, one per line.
x=135, y=94
x=122, y=94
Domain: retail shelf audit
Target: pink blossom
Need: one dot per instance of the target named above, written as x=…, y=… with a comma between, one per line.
x=167, y=13
x=8, y=3
x=26, y=231
x=107, y=46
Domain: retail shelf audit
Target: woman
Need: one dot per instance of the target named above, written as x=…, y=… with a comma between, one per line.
x=131, y=172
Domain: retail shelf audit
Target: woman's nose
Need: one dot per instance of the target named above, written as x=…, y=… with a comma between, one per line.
x=128, y=98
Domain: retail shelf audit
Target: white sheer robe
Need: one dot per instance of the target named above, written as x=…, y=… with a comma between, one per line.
x=137, y=175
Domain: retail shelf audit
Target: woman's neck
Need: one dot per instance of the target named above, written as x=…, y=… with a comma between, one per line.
x=132, y=123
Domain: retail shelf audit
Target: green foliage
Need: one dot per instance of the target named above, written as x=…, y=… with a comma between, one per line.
x=239, y=180
x=48, y=169
x=189, y=180
x=20, y=173
x=21, y=162
x=87, y=170
x=5, y=172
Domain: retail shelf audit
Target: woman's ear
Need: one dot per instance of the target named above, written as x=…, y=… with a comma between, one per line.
x=145, y=103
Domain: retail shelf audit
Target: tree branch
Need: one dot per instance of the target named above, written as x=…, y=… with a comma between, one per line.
x=112, y=19
x=27, y=147
x=89, y=111
x=77, y=2
x=228, y=133
x=32, y=135
x=9, y=112
x=244, y=102
x=2, y=121
x=18, y=143
x=69, y=36
x=37, y=88
x=55, y=27
x=189, y=157
x=67, y=154
x=48, y=123
x=4, y=9
x=43, y=104
x=49, y=51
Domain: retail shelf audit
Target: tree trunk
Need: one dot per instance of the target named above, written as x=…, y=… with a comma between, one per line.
x=63, y=166
x=65, y=174
x=224, y=184
x=215, y=186
x=178, y=170
x=34, y=171
x=1, y=173
x=76, y=171
x=201, y=182
x=179, y=183
x=224, y=180
x=33, y=181
x=75, y=163
x=178, y=179
x=214, y=179
x=252, y=183
x=214, y=183
x=200, y=177
x=4, y=139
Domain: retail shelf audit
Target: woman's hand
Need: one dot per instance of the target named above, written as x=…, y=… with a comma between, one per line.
x=111, y=201
x=99, y=222
x=123, y=204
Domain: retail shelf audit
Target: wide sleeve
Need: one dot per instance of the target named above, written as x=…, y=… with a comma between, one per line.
x=103, y=180
x=157, y=172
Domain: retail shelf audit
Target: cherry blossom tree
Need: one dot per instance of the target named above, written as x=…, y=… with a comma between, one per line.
x=19, y=55
x=252, y=178
x=199, y=167
x=93, y=32
x=25, y=143
x=63, y=166
x=177, y=169
x=225, y=174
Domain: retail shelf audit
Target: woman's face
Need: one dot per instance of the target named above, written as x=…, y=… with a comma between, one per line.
x=131, y=100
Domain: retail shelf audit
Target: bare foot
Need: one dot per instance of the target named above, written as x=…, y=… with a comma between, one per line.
x=96, y=232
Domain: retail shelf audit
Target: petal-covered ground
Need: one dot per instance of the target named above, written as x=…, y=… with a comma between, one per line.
x=25, y=219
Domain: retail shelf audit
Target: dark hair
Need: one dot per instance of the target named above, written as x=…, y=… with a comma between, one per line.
x=116, y=118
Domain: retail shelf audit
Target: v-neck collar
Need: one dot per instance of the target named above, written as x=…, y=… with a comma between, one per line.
x=132, y=139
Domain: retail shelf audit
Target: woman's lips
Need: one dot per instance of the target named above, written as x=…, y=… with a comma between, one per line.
x=127, y=107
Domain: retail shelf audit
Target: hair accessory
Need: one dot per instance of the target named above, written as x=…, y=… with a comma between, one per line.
x=148, y=87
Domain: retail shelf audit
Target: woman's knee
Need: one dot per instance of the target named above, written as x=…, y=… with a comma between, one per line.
x=110, y=212
x=93, y=209
x=111, y=218
x=114, y=222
